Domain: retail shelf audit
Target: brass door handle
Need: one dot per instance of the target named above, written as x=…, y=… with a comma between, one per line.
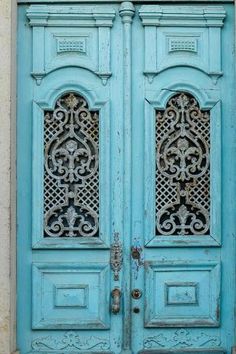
x=116, y=296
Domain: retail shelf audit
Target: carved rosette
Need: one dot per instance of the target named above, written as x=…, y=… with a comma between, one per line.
x=182, y=168
x=71, y=181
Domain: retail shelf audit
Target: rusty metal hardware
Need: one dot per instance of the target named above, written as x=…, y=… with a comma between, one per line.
x=116, y=256
x=135, y=253
x=136, y=309
x=116, y=296
x=136, y=293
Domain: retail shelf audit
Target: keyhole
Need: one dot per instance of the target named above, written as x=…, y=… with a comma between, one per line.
x=136, y=310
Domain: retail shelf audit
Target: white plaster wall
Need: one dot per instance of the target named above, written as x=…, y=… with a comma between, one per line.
x=7, y=115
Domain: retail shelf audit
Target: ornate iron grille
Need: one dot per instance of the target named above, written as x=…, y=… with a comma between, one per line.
x=71, y=169
x=182, y=168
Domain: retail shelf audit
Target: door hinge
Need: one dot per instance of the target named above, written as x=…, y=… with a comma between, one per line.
x=233, y=350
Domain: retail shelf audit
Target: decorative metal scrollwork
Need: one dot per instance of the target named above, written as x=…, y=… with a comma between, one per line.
x=182, y=168
x=116, y=256
x=71, y=180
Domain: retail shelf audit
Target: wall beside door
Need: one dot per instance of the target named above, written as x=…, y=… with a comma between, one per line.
x=7, y=173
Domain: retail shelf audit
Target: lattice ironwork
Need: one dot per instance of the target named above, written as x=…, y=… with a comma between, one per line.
x=71, y=169
x=182, y=168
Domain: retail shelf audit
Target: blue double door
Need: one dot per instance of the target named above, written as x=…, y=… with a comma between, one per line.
x=126, y=179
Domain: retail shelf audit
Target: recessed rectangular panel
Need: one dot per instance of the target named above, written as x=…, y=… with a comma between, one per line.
x=182, y=295
x=70, y=46
x=70, y=296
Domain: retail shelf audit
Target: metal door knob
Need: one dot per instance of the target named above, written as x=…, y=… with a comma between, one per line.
x=116, y=296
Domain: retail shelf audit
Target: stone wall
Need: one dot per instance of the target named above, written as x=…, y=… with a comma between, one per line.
x=7, y=131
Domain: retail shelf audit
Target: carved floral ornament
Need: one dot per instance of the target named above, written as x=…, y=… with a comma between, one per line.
x=71, y=180
x=182, y=168
x=181, y=339
x=70, y=341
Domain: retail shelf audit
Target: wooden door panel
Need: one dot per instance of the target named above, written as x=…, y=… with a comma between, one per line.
x=182, y=295
x=66, y=130
x=68, y=296
x=179, y=269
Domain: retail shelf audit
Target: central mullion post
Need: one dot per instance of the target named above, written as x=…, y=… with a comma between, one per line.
x=127, y=12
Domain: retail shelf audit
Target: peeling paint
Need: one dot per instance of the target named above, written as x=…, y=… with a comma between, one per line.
x=137, y=257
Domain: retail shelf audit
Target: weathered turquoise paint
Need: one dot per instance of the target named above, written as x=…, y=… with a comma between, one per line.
x=178, y=260
x=127, y=75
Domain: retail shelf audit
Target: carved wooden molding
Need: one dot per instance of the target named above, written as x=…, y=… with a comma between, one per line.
x=70, y=341
x=190, y=36
x=173, y=16
x=42, y=15
x=72, y=30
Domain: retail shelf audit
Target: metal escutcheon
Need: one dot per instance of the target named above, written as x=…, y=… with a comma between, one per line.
x=136, y=294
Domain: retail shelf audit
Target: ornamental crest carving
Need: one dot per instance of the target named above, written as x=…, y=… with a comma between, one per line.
x=182, y=168
x=71, y=179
